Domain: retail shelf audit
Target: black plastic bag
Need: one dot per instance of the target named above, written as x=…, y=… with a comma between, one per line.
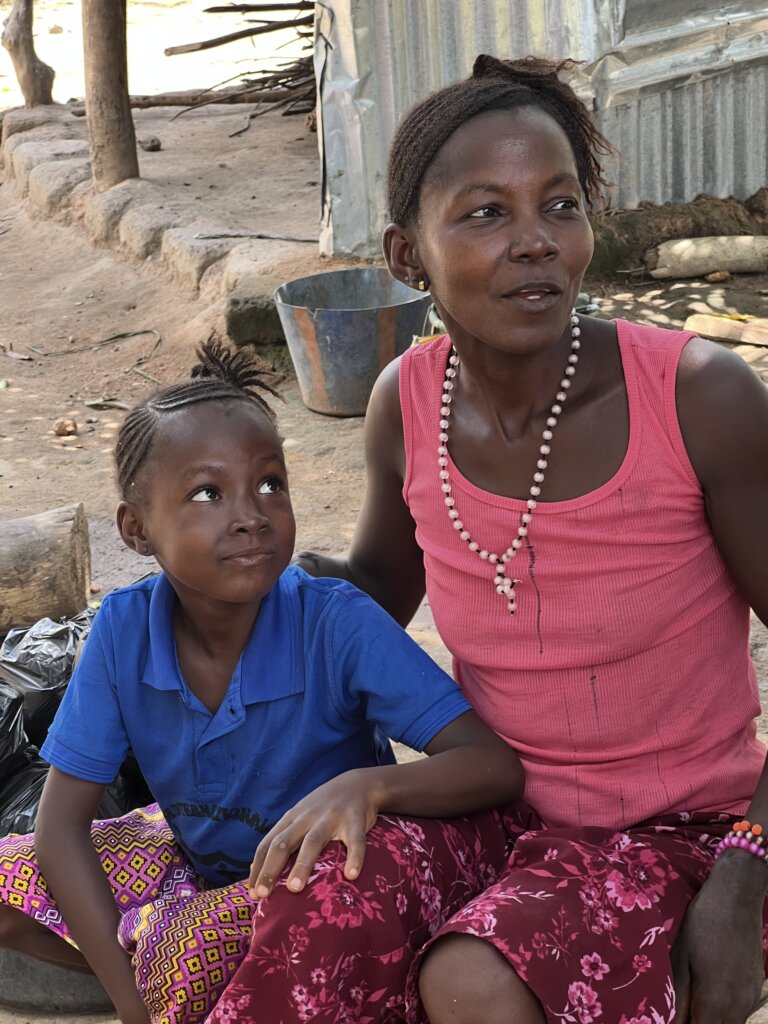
x=20, y=794
x=38, y=662
x=12, y=737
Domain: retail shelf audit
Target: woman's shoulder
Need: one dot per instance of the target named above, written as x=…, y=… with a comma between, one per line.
x=650, y=337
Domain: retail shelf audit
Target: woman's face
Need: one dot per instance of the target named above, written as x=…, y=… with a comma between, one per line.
x=502, y=231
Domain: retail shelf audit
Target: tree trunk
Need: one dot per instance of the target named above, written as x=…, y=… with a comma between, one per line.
x=45, y=566
x=35, y=77
x=110, y=125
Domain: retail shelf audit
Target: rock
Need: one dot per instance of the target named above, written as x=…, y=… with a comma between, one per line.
x=188, y=255
x=102, y=212
x=251, y=318
x=50, y=132
x=150, y=143
x=22, y=119
x=65, y=427
x=141, y=228
x=29, y=155
x=50, y=185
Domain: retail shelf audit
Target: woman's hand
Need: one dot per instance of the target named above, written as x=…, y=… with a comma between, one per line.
x=344, y=808
x=718, y=956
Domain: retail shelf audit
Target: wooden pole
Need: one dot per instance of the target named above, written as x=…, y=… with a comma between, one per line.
x=34, y=76
x=110, y=125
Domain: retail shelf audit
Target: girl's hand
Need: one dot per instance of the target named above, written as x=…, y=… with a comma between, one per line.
x=345, y=808
x=718, y=955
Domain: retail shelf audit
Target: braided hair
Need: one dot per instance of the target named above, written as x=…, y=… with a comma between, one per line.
x=220, y=375
x=493, y=85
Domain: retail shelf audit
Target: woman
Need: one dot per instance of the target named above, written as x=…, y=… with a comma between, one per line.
x=584, y=502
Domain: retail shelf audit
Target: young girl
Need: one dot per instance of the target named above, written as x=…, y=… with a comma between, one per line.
x=585, y=502
x=258, y=702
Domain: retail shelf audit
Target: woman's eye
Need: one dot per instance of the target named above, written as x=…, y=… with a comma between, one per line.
x=205, y=494
x=485, y=213
x=566, y=204
x=272, y=485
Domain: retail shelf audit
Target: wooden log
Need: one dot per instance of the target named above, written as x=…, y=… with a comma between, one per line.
x=737, y=332
x=190, y=97
x=114, y=157
x=694, y=257
x=45, y=566
x=35, y=77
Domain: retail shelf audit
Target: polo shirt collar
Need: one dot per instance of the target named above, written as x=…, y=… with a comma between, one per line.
x=270, y=667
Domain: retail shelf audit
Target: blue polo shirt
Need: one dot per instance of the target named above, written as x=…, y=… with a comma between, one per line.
x=325, y=677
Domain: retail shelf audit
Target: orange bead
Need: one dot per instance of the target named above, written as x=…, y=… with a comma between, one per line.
x=740, y=826
x=757, y=830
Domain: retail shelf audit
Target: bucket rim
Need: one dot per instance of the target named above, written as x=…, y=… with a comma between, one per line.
x=417, y=296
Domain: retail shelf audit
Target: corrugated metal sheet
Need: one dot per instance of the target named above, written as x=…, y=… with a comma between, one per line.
x=678, y=86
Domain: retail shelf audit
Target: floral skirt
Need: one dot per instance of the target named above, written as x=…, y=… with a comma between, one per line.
x=587, y=917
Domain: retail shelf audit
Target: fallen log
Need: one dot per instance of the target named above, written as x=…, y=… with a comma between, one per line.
x=721, y=328
x=190, y=97
x=694, y=257
x=45, y=566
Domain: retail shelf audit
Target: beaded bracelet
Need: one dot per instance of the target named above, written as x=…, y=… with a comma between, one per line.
x=744, y=836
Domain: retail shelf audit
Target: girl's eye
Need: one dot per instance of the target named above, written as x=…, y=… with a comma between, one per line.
x=272, y=485
x=205, y=494
x=485, y=213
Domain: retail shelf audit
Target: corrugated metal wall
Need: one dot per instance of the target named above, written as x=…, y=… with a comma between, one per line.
x=680, y=87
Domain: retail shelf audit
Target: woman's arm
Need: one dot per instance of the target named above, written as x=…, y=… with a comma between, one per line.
x=77, y=880
x=384, y=560
x=723, y=413
x=469, y=769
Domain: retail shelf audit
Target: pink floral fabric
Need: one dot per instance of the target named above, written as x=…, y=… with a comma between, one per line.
x=587, y=917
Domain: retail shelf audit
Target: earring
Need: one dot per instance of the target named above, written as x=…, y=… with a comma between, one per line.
x=145, y=550
x=422, y=285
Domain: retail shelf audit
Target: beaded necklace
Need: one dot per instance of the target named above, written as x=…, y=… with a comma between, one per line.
x=503, y=581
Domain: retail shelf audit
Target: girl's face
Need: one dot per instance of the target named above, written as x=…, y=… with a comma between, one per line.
x=502, y=231
x=215, y=510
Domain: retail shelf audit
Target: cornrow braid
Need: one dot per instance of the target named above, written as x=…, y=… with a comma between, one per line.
x=219, y=375
x=493, y=85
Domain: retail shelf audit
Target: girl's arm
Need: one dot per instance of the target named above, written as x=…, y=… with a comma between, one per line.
x=469, y=769
x=723, y=413
x=385, y=523
x=77, y=880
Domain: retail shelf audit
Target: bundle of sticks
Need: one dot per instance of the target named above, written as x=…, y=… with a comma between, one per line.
x=288, y=84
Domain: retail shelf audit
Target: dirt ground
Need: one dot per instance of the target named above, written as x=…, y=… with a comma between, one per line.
x=59, y=295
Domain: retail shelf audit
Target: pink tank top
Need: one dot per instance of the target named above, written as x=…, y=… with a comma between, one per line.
x=624, y=680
